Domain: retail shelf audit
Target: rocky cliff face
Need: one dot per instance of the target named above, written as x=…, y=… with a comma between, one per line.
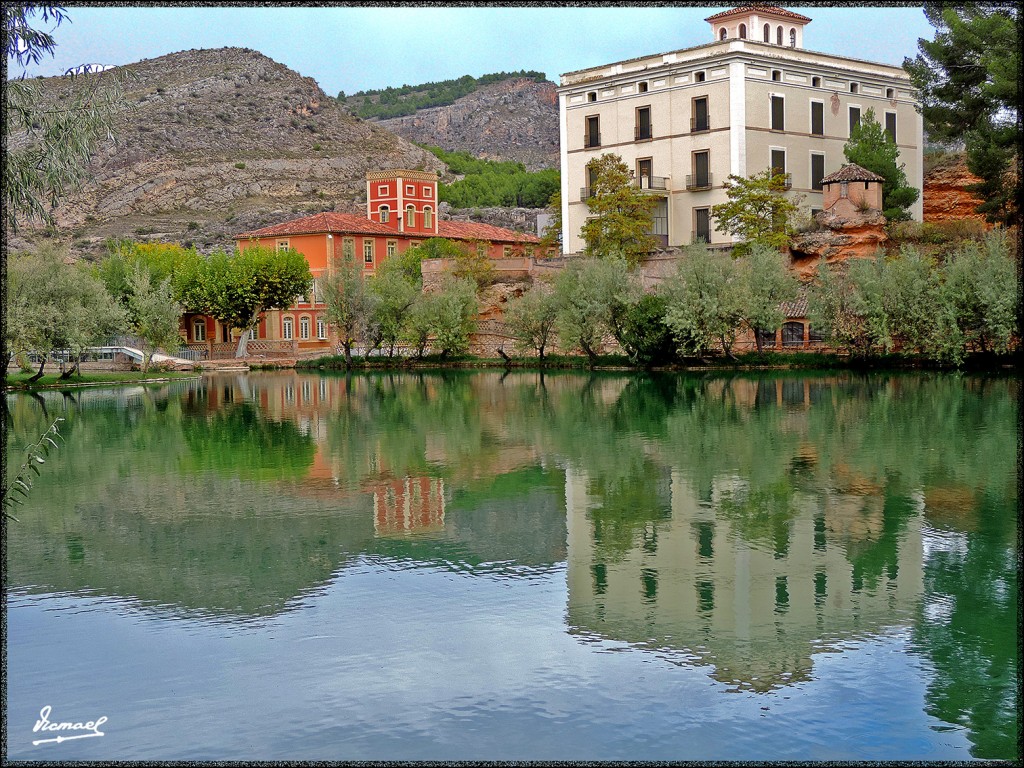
x=838, y=239
x=945, y=194
x=215, y=142
x=513, y=119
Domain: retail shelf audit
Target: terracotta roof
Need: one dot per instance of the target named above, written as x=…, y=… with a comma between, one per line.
x=774, y=10
x=344, y=223
x=796, y=308
x=470, y=230
x=851, y=172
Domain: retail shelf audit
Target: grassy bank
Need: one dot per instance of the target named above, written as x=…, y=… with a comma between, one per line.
x=20, y=380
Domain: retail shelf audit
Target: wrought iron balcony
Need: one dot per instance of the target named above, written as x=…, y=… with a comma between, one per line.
x=643, y=133
x=700, y=124
x=658, y=183
x=699, y=181
x=591, y=140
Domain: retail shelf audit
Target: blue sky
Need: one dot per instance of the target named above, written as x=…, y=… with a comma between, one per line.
x=362, y=46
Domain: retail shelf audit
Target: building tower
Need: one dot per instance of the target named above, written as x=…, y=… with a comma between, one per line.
x=403, y=200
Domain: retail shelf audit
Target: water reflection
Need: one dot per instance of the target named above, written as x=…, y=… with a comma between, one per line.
x=743, y=523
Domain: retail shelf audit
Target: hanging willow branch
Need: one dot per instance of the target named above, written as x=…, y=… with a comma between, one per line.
x=22, y=482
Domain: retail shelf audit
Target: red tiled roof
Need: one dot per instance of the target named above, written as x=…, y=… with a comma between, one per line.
x=774, y=10
x=851, y=172
x=329, y=221
x=470, y=230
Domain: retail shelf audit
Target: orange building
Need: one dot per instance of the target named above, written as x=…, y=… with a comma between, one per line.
x=401, y=213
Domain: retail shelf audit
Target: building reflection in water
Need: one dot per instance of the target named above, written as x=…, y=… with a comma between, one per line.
x=694, y=587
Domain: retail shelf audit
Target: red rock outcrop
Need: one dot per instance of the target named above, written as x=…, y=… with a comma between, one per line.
x=945, y=194
x=856, y=236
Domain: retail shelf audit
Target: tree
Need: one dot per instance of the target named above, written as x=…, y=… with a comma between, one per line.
x=967, y=79
x=48, y=147
x=552, y=235
x=704, y=301
x=237, y=289
x=871, y=147
x=454, y=314
x=349, y=303
x=161, y=260
x=155, y=314
x=395, y=297
x=531, y=319
x=768, y=284
x=622, y=213
x=586, y=291
x=758, y=211
x=643, y=332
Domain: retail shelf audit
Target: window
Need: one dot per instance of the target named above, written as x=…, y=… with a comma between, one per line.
x=701, y=170
x=817, y=171
x=702, y=224
x=776, y=75
x=890, y=93
x=506, y=252
x=816, y=82
x=428, y=217
x=722, y=34
x=778, y=113
x=304, y=327
x=767, y=33
x=698, y=77
x=428, y=191
x=348, y=249
x=854, y=118
x=199, y=329
x=481, y=250
x=778, y=36
x=644, y=171
x=592, y=136
x=368, y=251
x=890, y=125
x=853, y=88
x=792, y=37
x=385, y=214
x=282, y=245
x=592, y=96
x=817, y=118
x=743, y=31
x=643, y=123
x=700, y=120
x=778, y=163
x=642, y=87
x=792, y=334
x=410, y=216
x=287, y=328
x=844, y=189
x=321, y=327
x=254, y=332
x=383, y=190
x=318, y=294
x=392, y=248
x=410, y=190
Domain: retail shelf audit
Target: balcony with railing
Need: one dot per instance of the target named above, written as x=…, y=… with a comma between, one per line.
x=652, y=183
x=699, y=181
x=700, y=124
x=591, y=140
x=643, y=133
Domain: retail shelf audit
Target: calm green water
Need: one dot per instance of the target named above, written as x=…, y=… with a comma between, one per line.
x=477, y=566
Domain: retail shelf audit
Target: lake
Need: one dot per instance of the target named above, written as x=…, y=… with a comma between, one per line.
x=524, y=566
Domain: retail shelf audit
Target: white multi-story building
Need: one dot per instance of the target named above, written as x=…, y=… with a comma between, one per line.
x=754, y=98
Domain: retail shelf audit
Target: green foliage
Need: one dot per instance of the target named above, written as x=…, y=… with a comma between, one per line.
x=967, y=79
x=35, y=455
x=758, y=211
x=445, y=315
x=551, y=237
x=768, y=283
x=491, y=183
x=236, y=289
x=622, y=213
x=395, y=296
x=587, y=292
x=350, y=304
x=704, y=301
x=406, y=100
x=51, y=147
x=160, y=260
x=155, y=314
x=871, y=147
x=530, y=319
x=644, y=334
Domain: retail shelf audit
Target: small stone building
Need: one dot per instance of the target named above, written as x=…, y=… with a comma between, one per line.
x=851, y=189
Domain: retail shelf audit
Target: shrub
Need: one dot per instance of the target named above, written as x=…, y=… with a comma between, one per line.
x=240, y=166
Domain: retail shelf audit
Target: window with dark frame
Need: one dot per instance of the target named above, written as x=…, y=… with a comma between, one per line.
x=643, y=123
x=890, y=125
x=700, y=120
x=817, y=118
x=817, y=171
x=778, y=113
x=854, y=118
x=592, y=137
x=702, y=224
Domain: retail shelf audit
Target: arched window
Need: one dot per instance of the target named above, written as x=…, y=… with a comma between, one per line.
x=304, y=327
x=385, y=214
x=722, y=34
x=199, y=329
x=792, y=37
x=410, y=216
x=792, y=334
x=767, y=33
x=743, y=31
x=778, y=36
x=287, y=328
x=321, y=327
x=428, y=220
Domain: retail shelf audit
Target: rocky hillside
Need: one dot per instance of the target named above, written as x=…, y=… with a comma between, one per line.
x=515, y=119
x=215, y=142
x=945, y=195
